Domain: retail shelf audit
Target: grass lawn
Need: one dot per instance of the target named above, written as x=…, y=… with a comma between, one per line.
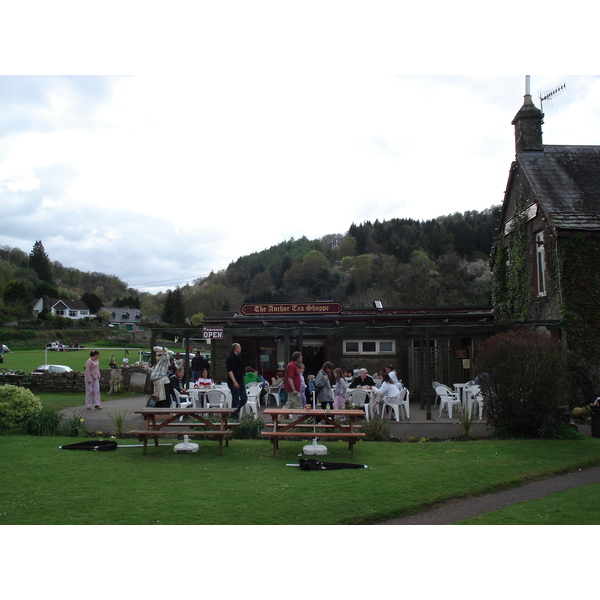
x=40, y=484
x=29, y=360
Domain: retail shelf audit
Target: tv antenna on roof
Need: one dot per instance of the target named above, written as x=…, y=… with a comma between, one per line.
x=550, y=95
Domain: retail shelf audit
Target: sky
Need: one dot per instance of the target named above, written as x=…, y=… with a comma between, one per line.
x=159, y=146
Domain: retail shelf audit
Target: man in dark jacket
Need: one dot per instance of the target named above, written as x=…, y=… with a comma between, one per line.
x=363, y=380
x=235, y=379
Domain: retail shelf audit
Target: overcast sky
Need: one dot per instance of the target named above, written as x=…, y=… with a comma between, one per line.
x=178, y=142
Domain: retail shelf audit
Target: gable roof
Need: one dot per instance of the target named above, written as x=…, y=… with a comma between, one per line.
x=566, y=181
x=70, y=304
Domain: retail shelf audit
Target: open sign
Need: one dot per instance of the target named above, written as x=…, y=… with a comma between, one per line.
x=212, y=333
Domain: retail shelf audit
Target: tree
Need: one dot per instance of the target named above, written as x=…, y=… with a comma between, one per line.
x=174, y=309
x=40, y=263
x=93, y=302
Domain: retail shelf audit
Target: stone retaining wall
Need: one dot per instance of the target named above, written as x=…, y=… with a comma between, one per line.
x=74, y=382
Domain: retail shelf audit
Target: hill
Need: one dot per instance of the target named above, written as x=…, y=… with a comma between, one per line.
x=401, y=262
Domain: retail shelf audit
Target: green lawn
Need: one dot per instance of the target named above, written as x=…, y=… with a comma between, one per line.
x=40, y=484
x=28, y=360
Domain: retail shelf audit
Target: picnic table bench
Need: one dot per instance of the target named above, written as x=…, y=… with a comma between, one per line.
x=171, y=425
x=331, y=428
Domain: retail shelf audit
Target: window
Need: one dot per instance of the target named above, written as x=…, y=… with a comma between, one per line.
x=541, y=263
x=73, y=314
x=369, y=347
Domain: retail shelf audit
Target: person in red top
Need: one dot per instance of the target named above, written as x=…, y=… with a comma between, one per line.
x=293, y=382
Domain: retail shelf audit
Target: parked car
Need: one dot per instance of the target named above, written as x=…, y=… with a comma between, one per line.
x=52, y=369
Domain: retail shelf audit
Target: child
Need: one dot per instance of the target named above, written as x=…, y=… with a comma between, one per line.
x=302, y=390
x=339, y=402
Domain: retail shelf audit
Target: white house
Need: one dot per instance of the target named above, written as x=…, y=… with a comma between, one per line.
x=72, y=309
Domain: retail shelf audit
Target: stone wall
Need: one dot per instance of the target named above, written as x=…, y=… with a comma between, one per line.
x=74, y=382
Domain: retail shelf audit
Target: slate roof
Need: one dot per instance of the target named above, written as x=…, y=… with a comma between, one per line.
x=124, y=315
x=566, y=180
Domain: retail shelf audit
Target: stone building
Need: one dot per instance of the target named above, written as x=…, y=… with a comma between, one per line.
x=547, y=250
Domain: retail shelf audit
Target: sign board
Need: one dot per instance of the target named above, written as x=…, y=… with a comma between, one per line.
x=212, y=333
x=305, y=308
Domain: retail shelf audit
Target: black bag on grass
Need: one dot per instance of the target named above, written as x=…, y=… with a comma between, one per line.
x=92, y=445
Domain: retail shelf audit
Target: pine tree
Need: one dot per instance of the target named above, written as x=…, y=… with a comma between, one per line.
x=40, y=263
x=174, y=309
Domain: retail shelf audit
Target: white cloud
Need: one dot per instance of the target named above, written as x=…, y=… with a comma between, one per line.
x=248, y=126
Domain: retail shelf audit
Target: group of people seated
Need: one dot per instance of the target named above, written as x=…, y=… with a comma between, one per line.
x=386, y=382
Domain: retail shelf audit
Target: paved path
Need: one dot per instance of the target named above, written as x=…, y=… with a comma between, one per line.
x=472, y=507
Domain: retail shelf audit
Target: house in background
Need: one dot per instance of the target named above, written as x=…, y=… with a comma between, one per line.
x=128, y=319
x=547, y=249
x=71, y=309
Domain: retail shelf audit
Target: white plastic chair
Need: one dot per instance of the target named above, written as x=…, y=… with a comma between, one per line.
x=214, y=399
x=253, y=402
x=273, y=390
x=181, y=400
x=447, y=399
x=434, y=385
x=398, y=404
x=359, y=398
x=474, y=395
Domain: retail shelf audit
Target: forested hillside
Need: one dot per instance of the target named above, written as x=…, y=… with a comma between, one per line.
x=401, y=262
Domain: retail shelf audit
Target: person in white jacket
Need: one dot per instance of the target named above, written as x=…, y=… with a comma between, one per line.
x=394, y=377
x=387, y=389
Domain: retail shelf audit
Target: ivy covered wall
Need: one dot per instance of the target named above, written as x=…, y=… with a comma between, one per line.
x=579, y=276
x=572, y=283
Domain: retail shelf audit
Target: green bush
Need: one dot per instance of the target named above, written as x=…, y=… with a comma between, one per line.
x=248, y=428
x=376, y=430
x=17, y=404
x=523, y=383
x=45, y=422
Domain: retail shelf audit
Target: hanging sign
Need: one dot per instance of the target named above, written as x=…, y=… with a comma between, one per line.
x=306, y=308
x=212, y=333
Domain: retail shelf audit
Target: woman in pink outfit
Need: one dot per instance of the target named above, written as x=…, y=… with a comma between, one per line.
x=92, y=380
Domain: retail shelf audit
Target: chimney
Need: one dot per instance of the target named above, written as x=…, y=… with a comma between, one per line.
x=528, y=125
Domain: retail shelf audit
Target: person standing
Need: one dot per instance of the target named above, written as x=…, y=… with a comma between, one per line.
x=341, y=387
x=235, y=379
x=292, y=382
x=302, y=368
x=92, y=381
x=323, y=386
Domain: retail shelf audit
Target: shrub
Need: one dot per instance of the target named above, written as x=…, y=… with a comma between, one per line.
x=17, y=404
x=45, y=422
x=376, y=430
x=523, y=382
x=248, y=428
x=73, y=426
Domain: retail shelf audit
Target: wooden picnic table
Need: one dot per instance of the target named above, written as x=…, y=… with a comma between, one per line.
x=347, y=430
x=171, y=424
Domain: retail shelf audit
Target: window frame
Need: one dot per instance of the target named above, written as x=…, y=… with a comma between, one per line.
x=540, y=265
x=361, y=351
